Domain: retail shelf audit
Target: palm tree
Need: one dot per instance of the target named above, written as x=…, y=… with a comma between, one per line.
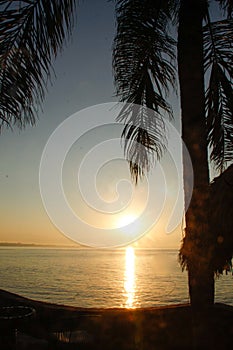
x=32, y=32
x=144, y=69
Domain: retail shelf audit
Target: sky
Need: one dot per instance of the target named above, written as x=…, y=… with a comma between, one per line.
x=84, y=79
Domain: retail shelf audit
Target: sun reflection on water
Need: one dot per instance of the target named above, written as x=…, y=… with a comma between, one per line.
x=129, y=278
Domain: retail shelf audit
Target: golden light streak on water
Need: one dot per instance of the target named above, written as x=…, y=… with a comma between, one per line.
x=129, y=278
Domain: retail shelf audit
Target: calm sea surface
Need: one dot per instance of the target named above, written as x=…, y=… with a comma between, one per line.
x=90, y=278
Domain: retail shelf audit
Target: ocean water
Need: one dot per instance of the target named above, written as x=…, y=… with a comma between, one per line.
x=99, y=278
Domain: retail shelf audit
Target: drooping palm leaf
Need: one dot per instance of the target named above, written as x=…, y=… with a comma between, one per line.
x=218, y=50
x=143, y=69
x=31, y=34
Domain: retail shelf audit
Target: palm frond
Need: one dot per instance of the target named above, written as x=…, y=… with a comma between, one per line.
x=218, y=39
x=143, y=71
x=31, y=34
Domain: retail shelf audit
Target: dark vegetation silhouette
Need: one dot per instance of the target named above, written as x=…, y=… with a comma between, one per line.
x=144, y=60
x=221, y=218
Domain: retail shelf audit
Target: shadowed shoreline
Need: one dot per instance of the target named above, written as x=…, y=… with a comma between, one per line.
x=168, y=327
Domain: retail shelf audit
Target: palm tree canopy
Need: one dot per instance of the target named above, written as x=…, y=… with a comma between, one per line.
x=31, y=33
x=143, y=62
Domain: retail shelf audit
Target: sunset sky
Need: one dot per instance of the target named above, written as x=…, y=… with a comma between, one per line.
x=83, y=79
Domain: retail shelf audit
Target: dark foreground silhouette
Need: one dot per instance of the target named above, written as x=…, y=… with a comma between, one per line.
x=63, y=327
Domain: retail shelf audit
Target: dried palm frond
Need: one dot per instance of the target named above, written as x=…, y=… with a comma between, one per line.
x=221, y=219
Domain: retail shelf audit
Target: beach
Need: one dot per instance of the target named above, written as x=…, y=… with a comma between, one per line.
x=65, y=327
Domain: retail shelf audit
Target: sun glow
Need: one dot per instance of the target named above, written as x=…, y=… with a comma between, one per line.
x=126, y=220
x=129, y=278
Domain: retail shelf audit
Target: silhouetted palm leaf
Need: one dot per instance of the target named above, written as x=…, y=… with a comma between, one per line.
x=31, y=33
x=142, y=61
x=218, y=50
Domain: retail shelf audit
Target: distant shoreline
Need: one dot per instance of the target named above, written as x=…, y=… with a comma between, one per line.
x=18, y=244
x=36, y=245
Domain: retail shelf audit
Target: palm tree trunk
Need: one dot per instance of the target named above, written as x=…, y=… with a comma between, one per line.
x=196, y=249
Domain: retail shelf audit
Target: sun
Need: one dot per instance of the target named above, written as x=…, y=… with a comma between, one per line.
x=126, y=220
